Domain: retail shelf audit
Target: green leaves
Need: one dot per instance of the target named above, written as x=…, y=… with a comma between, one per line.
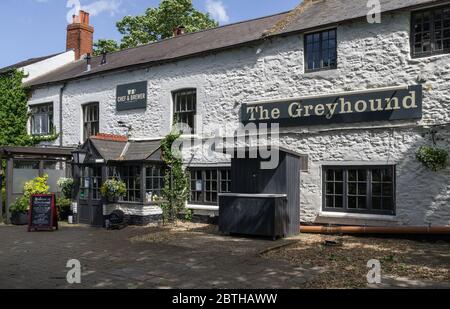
x=176, y=182
x=157, y=24
x=108, y=46
x=113, y=189
x=433, y=158
x=14, y=112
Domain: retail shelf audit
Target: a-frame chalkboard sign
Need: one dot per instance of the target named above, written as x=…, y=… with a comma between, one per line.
x=43, y=215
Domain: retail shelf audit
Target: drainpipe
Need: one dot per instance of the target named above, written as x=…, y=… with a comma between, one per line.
x=413, y=230
x=61, y=93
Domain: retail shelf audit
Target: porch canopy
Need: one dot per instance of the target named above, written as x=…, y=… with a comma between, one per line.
x=26, y=163
x=138, y=163
x=117, y=149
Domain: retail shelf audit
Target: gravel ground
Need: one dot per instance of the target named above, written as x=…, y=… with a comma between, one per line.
x=342, y=260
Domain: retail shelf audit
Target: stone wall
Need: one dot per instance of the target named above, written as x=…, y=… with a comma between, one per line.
x=369, y=56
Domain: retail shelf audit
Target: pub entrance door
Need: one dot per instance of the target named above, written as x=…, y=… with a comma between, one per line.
x=90, y=208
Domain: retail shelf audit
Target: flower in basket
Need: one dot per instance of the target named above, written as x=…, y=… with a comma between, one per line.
x=112, y=190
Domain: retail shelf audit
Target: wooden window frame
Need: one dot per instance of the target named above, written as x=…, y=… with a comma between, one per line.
x=178, y=111
x=219, y=179
x=306, y=52
x=432, y=52
x=369, y=189
x=90, y=123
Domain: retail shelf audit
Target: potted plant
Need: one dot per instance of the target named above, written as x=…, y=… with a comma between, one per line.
x=19, y=211
x=63, y=206
x=112, y=190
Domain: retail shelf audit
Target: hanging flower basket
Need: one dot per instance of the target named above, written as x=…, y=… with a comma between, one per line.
x=433, y=158
x=112, y=190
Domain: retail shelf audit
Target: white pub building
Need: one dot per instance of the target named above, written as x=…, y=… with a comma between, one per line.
x=354, y=97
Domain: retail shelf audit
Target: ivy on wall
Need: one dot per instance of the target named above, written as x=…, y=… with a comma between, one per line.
x=176, y=182
x=14, y=112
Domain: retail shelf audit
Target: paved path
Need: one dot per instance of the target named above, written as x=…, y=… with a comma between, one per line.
x=110, y=260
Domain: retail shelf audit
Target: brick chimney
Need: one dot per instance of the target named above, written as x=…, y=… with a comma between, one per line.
x=80, y=35
x=180, y=30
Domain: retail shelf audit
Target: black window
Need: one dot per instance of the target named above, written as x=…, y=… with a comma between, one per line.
x=131, y=175
x=430, y=32
x=206, y=184
x=154, y=180
x=91, y=120
x=359, y=189
x=185, y=107
x=321, y=51
x=41, y=119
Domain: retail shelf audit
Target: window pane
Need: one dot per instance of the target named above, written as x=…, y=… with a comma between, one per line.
x=376, y=203
x=362, y=202
x=352, y=202
x=330, y=201
x=352, y=188
x=339, y=202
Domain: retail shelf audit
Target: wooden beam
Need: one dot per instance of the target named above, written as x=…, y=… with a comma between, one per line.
x=9, y=189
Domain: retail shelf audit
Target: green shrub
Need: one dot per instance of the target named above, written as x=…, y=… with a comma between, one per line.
x=20, y=205
x=66, y=186
x=37, y=185
x=433, y=158
x=63, y=207
x=113, y=190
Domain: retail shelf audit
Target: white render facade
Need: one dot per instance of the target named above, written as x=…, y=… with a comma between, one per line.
x=369, y=56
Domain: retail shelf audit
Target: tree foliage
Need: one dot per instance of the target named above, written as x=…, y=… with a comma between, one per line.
x=14, y=112
x=157, y=24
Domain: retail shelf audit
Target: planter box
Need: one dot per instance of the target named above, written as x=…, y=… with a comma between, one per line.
x=19, y=218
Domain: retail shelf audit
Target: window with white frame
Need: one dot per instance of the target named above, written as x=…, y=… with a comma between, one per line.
x=41, y=119
x=185, y=107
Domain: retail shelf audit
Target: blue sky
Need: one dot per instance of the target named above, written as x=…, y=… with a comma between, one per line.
x=33, y=28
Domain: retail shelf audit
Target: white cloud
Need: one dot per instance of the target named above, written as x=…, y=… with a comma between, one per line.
x=108, y=6
x=217, y=10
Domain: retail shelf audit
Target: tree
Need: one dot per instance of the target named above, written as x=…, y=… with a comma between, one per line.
x=108, y=46
x=157, y=24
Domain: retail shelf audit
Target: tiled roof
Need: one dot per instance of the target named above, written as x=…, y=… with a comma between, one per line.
x=309, y=15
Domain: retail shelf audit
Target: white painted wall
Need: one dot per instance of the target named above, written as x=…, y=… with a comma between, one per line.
x=369, y=56
x=43, y=67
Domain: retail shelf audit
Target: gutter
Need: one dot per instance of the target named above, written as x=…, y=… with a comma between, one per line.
x=414, y=230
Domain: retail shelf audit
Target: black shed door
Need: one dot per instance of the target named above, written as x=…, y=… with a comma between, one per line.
x=90, y=210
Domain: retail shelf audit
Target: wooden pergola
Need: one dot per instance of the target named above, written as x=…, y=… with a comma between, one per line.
x=39, y=154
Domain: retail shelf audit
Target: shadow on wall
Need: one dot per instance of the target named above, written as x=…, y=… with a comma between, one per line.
x=422, y=196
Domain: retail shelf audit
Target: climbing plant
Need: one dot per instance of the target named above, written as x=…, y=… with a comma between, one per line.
x=14, y=112
x=176, y=182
